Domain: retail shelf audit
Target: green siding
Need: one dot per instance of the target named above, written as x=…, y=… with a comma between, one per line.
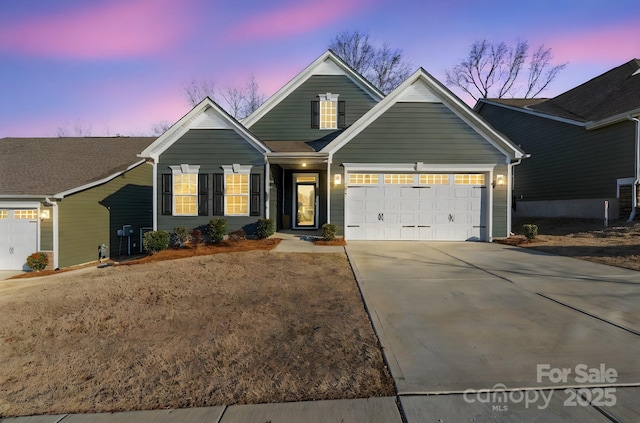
x=92, y=217
x=567, y=161
x=46, y=231
x=500, y=203
x=290, y=120
x=211, y=149
x=418, y=132
x=336, y=200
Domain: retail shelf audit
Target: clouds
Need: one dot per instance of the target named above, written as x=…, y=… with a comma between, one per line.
x=296, y=19
x=105, y=30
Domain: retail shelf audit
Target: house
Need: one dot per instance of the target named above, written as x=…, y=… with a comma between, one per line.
x=329, y=147
x=584, y=147
x=67, y=196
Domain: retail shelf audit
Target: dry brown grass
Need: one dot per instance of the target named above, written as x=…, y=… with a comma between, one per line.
x=587, y=239
x=247, y=327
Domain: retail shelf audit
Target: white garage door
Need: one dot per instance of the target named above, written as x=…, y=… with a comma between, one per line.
x=424, y=206
x=18, y=237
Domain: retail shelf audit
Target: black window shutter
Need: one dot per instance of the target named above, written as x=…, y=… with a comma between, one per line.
x=218, y=194
x=341, y=114
x=203, y=194
x=254, y=199
x=167, y=193
x=315, y=114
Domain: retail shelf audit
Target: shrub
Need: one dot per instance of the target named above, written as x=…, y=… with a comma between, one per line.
x=266, y=228
x=329, y=231
x=217, y=229
x=530, y=231
x=197, y=237
x=38, y=261
x=155, y=241
x=182, y=234
x=237, y=235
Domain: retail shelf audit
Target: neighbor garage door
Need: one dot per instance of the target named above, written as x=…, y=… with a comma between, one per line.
x=18, y=237
x=420, y=206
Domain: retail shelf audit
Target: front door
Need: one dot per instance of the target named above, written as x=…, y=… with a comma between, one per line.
x=306, y=216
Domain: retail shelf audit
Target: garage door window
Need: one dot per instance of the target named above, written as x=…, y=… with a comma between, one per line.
x=398, y=178
x=434, y=179
x=4, y=214
x=469, y=179
x=363, y=178
x=25, y=214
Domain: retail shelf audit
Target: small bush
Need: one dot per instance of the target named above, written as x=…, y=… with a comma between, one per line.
x=237, y=235
x=38, y=261
x=329, y=231
x=266, y=228
x=530, y=231
x=197, y=237
x=217, y=230
x=182, y=234
x=155, y=241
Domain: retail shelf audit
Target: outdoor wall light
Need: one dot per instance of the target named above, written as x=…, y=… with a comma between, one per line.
x=499, y=179
x=337, y=179
x=44, y=214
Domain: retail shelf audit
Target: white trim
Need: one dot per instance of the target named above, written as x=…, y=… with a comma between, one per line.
x=294, y=205
x=237, y=169
x=620, y=117
x=489, y=218
x=453, y=103
x=320, y=66
x=329, y=180
x=63, y=194
x=20, y=205
x=267, y=188
x=56, y=235
x=509, y=197
x=416, y=167
x=154, y=195
x=183, y=169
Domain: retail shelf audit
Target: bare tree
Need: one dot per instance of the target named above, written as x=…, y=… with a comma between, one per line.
x=253, y=97
x=384, y=67
x=159, y=128
x=79, y=130
x=197, y=89
x=492, y=69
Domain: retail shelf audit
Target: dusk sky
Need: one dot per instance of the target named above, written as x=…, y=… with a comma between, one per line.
x=119, y=66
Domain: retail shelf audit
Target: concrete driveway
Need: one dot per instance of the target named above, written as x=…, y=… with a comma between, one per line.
x=456, y=318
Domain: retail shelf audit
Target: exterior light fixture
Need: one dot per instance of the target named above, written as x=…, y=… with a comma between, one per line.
x=44, y=214
x=304, y=165
x=337, y=179
x=499, y=179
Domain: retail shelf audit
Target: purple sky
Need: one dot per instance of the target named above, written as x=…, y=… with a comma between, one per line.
x=119, y=66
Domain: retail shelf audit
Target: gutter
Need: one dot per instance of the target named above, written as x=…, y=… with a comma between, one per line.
x=634, y=188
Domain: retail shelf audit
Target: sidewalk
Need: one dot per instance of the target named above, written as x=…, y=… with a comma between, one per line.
x=373, y=410
x=302, y=242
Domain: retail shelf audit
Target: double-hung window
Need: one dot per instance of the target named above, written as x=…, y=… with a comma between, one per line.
x=327, y=112
x=185, y=190
x=236, y=190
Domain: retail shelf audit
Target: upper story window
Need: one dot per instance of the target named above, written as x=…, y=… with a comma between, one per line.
x=327, y=112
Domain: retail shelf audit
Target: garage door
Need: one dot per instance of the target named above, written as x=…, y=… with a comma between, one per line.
x=18, y=237
x=422, y=206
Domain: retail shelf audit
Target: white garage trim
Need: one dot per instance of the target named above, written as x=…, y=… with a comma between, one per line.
x=405, y=209
x=417, y=167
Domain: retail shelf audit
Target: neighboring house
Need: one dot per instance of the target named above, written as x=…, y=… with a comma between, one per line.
x=328, y=147
x=583, y=145
x=67, y=196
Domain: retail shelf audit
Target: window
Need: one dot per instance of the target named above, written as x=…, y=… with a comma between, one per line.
x=185, y=194
x=434, y=179
x=363, y=178
x=4, y=214
x=25, y=214
x=398, y=178
x=469, y=179
x=236, y=194
x=328, y=112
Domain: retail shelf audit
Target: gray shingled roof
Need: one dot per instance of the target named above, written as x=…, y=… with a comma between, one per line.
x=612, y=93
x=48, y=166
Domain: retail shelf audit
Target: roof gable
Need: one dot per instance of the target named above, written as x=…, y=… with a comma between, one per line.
x=422, y=87
x=205, y=115
x=327, y=64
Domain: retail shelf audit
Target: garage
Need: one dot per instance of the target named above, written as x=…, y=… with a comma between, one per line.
x=19, y=229
x=416, y=206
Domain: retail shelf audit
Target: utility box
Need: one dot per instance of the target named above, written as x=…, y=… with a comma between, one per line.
x=126, y=230
x=102, y=252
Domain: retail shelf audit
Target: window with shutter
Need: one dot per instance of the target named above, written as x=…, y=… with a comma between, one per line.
x=254, y=200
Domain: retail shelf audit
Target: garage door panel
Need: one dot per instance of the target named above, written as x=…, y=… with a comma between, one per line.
x=18, y=241
x=403, y=212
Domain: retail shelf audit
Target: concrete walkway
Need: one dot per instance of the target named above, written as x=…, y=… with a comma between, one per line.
x=456, y=319
x=302, y=242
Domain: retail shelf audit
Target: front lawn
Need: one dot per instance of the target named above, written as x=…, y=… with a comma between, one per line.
x=246, y=327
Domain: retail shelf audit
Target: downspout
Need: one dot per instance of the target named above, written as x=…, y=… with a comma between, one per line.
x=511, y=186
x=56, y=250
x=634, y=188
x=267, y=186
